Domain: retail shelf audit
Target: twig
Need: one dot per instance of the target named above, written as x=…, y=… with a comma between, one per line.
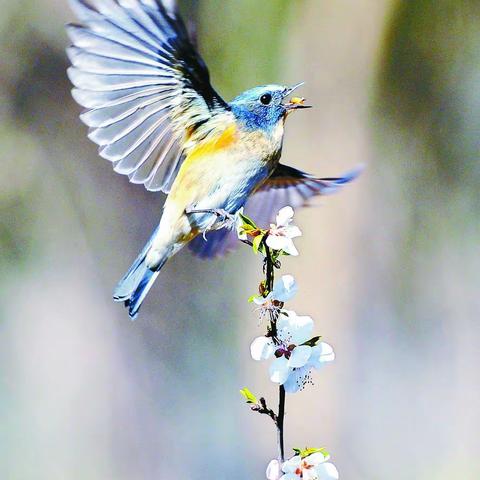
x=269, y=281
x=280, y=423
x=279, y=419
x=262, y=408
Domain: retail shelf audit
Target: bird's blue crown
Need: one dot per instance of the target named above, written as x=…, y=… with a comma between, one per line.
x=261, y=108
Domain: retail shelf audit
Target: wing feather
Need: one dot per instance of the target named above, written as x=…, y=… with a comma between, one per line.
x=145, y=88
x=286, y=186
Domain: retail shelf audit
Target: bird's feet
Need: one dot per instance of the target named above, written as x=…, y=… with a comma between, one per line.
x=220, y=218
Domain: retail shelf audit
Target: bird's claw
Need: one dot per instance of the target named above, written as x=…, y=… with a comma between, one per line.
x=223, y=219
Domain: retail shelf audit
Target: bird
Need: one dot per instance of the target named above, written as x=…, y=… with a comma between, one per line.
x=152, y=110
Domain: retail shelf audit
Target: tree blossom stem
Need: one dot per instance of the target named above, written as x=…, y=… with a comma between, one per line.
x=270, y=272
x=269, y=281
x=280, y=421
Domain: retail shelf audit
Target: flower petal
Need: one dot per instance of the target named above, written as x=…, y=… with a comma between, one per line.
x=274, y=472
x=290, y=476
x=327, y=471
x=284, y=216
x=296, y=380
x=321, y=354
x=259, y=300
x=279, y=370
x=300, y=356
x=289, y=248
x=290, y=466
x=316, y=459
x=296, y=329
x=285, y=289
x=262, y=348
x=309, y=474
x=292, y=231
x=277, y=242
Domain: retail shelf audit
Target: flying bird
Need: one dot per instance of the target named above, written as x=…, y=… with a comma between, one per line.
x=152, y=110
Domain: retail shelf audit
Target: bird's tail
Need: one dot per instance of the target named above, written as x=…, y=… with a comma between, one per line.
x=137, y=282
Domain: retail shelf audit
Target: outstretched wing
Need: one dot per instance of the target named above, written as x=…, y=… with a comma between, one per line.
x=145, y=89
x=286, y=186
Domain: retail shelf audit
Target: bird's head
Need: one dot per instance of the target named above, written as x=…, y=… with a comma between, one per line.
x=264, y=107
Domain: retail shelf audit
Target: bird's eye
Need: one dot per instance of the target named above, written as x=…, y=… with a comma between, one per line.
x=266, y=98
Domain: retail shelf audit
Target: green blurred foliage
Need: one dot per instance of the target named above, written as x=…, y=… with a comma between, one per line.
x=427, y=131
x=245, y=53
x=429, y=82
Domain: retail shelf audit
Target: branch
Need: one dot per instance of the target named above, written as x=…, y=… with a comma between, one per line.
x=280, y=422
x=262, y=408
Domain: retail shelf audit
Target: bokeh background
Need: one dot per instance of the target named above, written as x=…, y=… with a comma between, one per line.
x=389, y=268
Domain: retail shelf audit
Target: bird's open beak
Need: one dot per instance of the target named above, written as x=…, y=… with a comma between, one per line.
x=295, y=103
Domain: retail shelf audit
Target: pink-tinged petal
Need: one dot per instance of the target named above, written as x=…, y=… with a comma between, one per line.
x=300, y=356
x=262, y=348
x=327, y=471
x=279, y=370
x=277, y=242
x=291, y=466
x=285, y=216
x=274, y=472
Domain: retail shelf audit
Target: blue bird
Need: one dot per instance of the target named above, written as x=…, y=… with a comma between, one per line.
x=150, y=107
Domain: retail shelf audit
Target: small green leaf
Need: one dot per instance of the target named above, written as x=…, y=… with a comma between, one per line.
x=310, y=451
x=248, y=221
x=257, y=242
x=324, y=453
x=252, y=298
x=312, y=342
x=249, y=396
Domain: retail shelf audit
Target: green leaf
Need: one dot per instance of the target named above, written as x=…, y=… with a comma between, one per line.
x=248, y=222
x=275, y=255
x=252, y=298
x=312, y=342
x=249, y=396
x=257, y=243
x=310, y=451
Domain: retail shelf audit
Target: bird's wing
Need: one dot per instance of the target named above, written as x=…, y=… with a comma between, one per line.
x=145, y=89
x=286, y=186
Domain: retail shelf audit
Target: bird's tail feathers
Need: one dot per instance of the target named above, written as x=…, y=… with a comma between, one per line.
x=137, y=282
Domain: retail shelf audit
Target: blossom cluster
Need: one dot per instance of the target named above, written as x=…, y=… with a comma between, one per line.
x=304, y=465
x=289, y=343
x=294, y=350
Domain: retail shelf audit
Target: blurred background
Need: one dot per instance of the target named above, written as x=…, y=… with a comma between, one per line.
x=389, y=268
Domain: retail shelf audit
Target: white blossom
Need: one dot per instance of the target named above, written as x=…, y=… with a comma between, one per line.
x=283, y=291
x=294, y=360
x=313, y=467
x=281, y=235
x=320, y=355
x=274, y=470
